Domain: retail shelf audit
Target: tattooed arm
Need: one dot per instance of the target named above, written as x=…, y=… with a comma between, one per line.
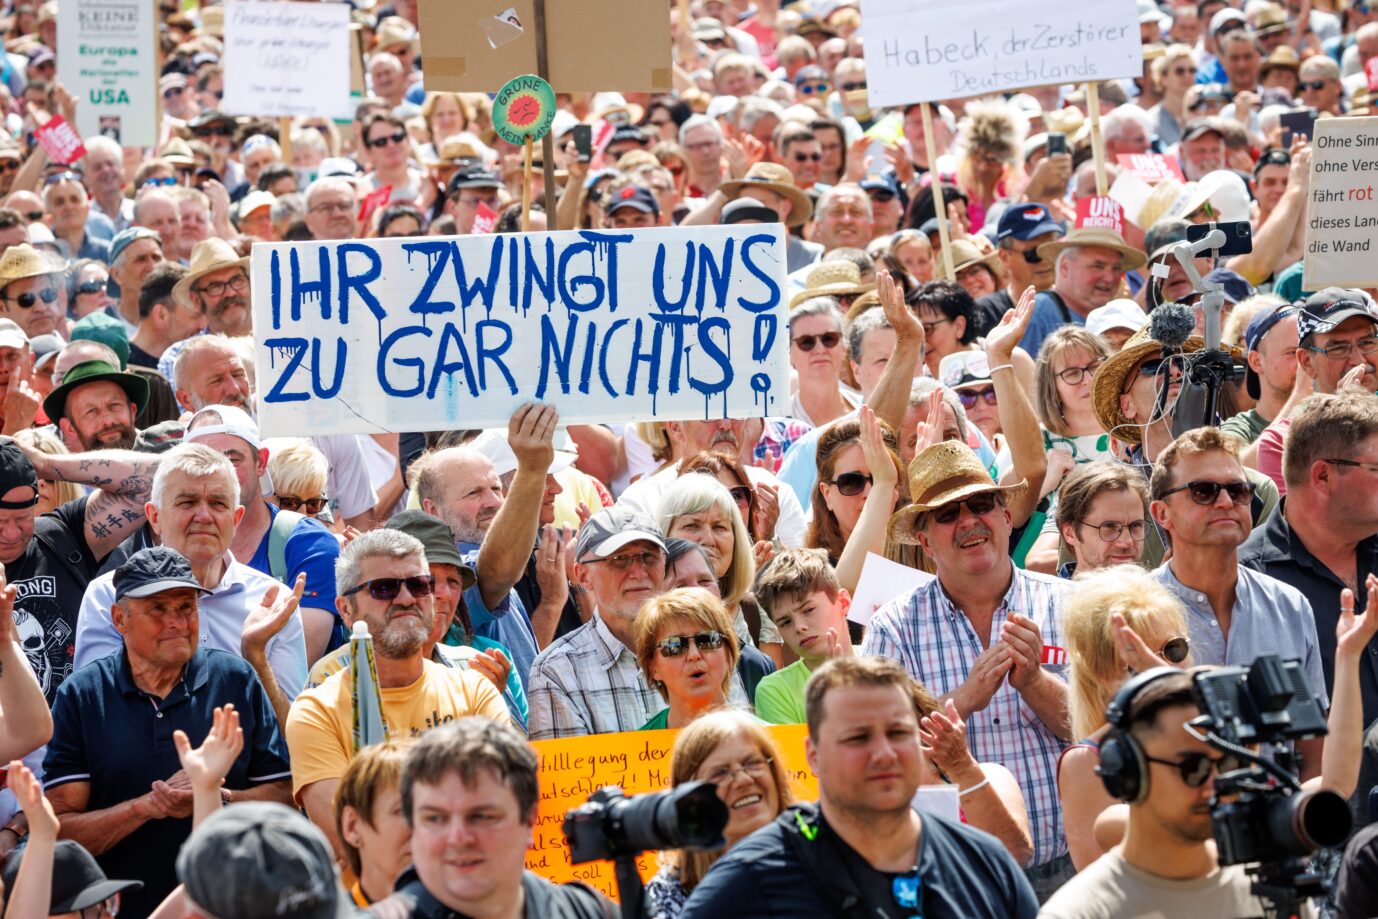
x=123, y=480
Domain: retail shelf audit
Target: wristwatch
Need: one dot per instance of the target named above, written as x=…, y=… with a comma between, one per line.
x=17, y=829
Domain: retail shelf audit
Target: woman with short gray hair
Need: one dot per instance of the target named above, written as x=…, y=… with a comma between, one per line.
x=816, y=353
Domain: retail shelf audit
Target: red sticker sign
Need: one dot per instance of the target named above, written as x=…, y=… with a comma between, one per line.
x=1100, y=214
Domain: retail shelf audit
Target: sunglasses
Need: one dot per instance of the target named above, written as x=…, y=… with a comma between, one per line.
x=1176, y=649
x=828, y=340
x=216, y=131
x=65, y=176
x=418, y=585
x=34, y=216
x=979, y=505
x=9, y=165
x=882, y=196
x=742, y=495
x=313, y=506
x=971, y=397
x=848, y=87
x=26, y=301
x=91, y=287
x=810, y=89
x=1312, y=85
x=676, y=645
x=1205, y=493
x=805, y=157
x=851, y=483
x=1196, y=768
x=167, y=181
x=1031, y=256
x=379, y=143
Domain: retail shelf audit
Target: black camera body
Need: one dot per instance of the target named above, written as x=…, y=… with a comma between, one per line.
x=611, y=825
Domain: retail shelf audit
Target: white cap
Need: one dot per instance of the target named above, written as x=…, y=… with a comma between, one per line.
x=493, y=444
x=232, y=420
x=12, y=336
x=1117, y=314
x=255, y=200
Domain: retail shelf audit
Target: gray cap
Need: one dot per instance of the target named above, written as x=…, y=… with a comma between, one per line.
x=612, y=528
x=261, y=860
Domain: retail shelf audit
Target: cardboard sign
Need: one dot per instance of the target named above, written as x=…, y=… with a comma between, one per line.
x=60, y=141
x=928, y=50
x=107, y=58
x=882, y=581
x=592, y=45
x=573, y=768
x=439, y=333
x=1100, y=214
x=1341, y=211
x=285, y=60
x=1151, y=167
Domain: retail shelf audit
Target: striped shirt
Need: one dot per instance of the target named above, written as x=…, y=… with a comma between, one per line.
x=937, y=644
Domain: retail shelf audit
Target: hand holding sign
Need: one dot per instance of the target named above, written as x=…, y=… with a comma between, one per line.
x=531, y=435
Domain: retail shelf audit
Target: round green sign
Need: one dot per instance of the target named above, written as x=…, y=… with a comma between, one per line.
x=524, y=108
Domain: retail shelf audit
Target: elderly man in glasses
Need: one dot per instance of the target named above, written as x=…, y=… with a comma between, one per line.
x=383, y=580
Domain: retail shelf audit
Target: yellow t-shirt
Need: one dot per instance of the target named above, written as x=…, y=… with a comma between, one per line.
x=320, y=726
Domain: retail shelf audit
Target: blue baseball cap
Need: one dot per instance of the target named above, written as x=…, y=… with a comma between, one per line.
x=1259, y=326
x=633, y=196
x=124, y=238
x=1027, y=221
x=880, y=181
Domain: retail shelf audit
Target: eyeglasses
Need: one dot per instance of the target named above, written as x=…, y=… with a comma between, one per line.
x=647, y=560
x=930, y=323
x=828, y=340
x=214, y=131
x=1205, y=492
x=851, y=483
x=1312, y=85
x=805, y=157
x=742, y=495
x=418, y=585
x=979, y=505
x=92, y=287
x=969, y=397
x=1175, y=650
x=333, y=207
x=379, y=143
x=810, y=89
x=110, y=906
x=313, y=505
x=1341, y=350
x=848, y=87
x=755, y=767
x=1110, y=530
x=1196, y=768
x=27, y=300
x=676, y=645
x=1073, y=376
x=160, y=182
x=1371, y=467
x=239, y=283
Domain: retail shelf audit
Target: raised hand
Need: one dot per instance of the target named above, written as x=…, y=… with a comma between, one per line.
x=207, y=765
x=1354, y=632
x=765, y=512
x=552, y=564
x=531, y=435
x=930, y=431
x=28, y=791
x=1002, y=340
x=874, y=450
x=269, y=618
x=21, y=402
x=901, y=318
x=1134, y=652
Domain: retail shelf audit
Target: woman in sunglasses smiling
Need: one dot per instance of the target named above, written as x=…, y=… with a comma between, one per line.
x=688, y=652
x=816, y=354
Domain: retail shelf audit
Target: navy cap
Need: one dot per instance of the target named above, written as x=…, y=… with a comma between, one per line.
x=744, y=209
x=632, y=196
x=16, y=471
x=1236, y=288
x=880, y=181
x=628, y=133
x=1325, y=309
x=1259, y=326
x=474, y=177
x=1027, y=221
x=152, y=571
x=123, y=239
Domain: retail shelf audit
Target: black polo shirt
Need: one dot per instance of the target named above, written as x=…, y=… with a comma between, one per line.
x=1277, y=551
x=111, y=734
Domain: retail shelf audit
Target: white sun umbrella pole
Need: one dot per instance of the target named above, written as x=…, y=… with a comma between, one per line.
x=367, y=696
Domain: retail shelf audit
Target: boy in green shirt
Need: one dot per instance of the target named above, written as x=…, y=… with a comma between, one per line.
x=800, y=593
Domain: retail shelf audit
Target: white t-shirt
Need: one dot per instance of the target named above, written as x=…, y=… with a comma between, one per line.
x=645, y=493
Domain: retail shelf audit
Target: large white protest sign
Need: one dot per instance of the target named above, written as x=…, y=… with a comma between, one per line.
x=1341, y=212
x=926, y=50
x=107, y=59
x=286, y=60
x=439, y=333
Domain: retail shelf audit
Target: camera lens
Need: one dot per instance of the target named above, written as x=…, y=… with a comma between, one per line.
x=1305, y=822
x=689, y=816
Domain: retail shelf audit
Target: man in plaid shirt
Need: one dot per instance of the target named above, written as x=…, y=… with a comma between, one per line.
x=987, y=635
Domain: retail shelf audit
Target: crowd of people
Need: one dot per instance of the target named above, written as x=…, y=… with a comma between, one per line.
x=975, y=396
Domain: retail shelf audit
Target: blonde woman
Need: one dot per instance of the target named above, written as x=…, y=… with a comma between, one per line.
x=688, y=652
x=1174, y=73
x=299, y=472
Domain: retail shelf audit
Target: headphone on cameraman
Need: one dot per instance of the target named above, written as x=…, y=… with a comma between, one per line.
x=1123, y=768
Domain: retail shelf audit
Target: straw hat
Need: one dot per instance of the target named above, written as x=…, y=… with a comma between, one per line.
x=24, y=261
x=177, y=152
x=1269, y=19
x=942, y=474
x=864, y=303
x=1164, y=202
x=837, y=278
x=208, y=255
x=1100, y=238
x=966, y=253
x=778, y=179
x=616, y=105
x=1283, y=57
x=394, y=31
x=213, y=20
x=1108, y=383
x=455, y=150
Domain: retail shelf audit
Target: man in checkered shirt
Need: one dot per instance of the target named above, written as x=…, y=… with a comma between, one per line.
x=987, y=635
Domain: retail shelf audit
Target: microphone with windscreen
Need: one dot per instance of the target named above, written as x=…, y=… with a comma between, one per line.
x=1171, y=324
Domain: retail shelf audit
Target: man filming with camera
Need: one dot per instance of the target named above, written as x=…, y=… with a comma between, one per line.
x=1166, y=865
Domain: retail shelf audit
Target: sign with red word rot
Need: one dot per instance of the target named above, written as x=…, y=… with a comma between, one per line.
x=60, y=141
x=1151, y=167
x=1100, y=214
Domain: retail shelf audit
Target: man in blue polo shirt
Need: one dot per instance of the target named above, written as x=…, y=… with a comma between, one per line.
x=112, y=772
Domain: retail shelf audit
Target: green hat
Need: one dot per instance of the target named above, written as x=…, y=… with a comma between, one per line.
x=134, y=386
x=102, y=327
x=438, y=539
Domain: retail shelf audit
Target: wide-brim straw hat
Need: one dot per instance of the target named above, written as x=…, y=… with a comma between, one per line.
x=838, y=278
x=779, y=180
x=177, y=152
x=966, y=253
x=867, y=301
x=944, y=473
x=1099, y=238
x=1108, y=383
x=208, y=255
x=24, y=261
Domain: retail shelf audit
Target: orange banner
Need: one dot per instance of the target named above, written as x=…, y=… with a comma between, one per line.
x=573, y=768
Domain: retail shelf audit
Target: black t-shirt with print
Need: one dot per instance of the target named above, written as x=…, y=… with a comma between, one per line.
x=50, y=579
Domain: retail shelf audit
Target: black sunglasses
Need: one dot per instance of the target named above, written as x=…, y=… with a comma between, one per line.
x=1031, y=256
x=676, y=645
x=805, y=157
x=979, y=505
x=829, y=341
x=217, y=131
x=379, y=143
x=851, y=483
x=742, y=495
x=92, y=287
x=882, y=195
x=27, y=300
x=1311, y=85
x=313, y=505
x=1176, y=649
x=1205, y=492
x=1196, y=768
x=418, y=585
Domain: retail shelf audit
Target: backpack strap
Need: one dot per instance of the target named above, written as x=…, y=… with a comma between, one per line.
x=283, y=525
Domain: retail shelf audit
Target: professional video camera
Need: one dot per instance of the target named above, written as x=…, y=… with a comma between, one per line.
x=613, y=826
x=1259, y=815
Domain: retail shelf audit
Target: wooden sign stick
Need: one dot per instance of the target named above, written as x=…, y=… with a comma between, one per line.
x=526, y=188
x=939, y=208
x=548, y=141
x=1097, y=142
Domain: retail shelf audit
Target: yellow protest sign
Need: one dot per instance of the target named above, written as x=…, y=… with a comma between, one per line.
x=573, y=768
